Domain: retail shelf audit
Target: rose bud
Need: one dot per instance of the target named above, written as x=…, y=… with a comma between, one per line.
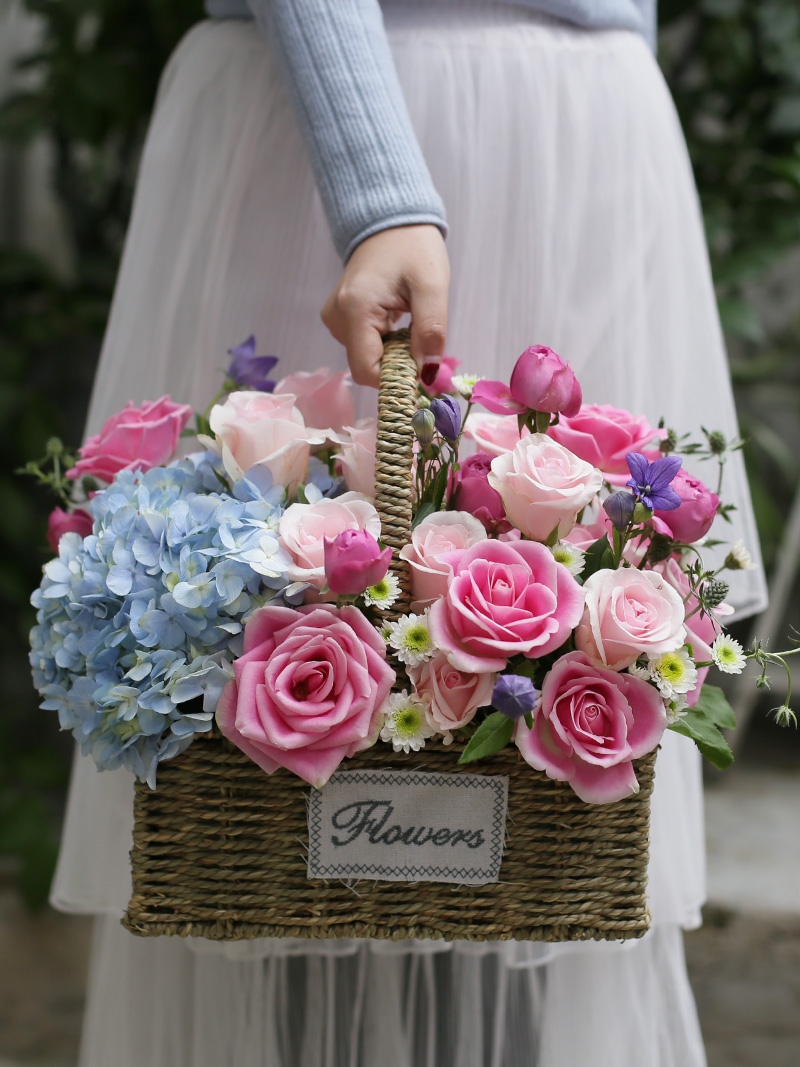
x=542, y=381
x=61, y=522
x=514, y=695
x=692, y=519
x=354, y=561
x=447, y=415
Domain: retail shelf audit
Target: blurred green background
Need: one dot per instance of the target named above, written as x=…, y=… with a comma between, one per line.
x=78, y=79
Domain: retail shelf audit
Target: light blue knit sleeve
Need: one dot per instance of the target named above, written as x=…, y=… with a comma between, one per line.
x=341, y=76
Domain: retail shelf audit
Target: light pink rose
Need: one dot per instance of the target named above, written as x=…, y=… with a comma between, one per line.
x=354, y=561
x=303, y=528
x=495, y=434
x=629, y=613
x=603, y=435
x=584, y=535
x=589, y=726
x=133, y=439
x=451, y=697
x=307, y=692
x=698, y=509
x=265, y=429
x=543, y=486
x=357, y=456
x=324, y=398
x=504, y=600
x=61, y=522
x=438, y=536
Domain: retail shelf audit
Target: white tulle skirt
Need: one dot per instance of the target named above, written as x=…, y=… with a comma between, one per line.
x=575, y=223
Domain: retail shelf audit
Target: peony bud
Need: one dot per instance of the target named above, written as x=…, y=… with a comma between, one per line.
x=354, y=561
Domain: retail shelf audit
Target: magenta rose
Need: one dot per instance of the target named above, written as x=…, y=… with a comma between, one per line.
x=134, y=438
x=540, y=381
x=603, y=436
x=590, y=724
x=451, y=697
x=504, y=600
x=474, y=495
x=307, y=692
x=697, y=511
x=354, y=561
x=322, y=397
x=61, y=522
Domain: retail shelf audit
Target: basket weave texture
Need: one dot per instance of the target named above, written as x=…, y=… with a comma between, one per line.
x=220, y=848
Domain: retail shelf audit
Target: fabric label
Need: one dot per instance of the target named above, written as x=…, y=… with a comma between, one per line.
x=408, y=826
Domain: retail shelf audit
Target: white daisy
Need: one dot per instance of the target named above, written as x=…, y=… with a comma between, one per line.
x=411, y=639
x=738, y=558
x=640, y=670
x=728, y=655
x=673, y=672
x=677, y=708
x=572, y=557
x=404, y=723
x=384, y=593
x=465, y=383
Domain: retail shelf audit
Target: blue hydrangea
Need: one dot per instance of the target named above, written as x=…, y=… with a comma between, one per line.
x=138, y=623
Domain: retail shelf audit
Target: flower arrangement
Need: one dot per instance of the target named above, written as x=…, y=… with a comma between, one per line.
x=560, y=602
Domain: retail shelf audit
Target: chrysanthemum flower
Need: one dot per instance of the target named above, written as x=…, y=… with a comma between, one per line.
x=411, y=639
x=738, y=558
x=728, y=655
x=572, y=558
x=384, y=593
x=673, y=672
x=404, y=723
x=465, y=383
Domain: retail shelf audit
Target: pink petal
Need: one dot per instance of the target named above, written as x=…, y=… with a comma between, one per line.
x=604, y=785
x=496, y=396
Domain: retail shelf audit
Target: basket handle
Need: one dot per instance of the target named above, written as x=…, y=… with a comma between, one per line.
x=394, y=452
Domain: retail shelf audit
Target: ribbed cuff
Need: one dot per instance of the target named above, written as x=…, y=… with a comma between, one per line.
x=409, y=218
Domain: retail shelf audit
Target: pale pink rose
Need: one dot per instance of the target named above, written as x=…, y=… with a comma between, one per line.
x=307, y=692
x=324, y=398
x=698, y=509
x=357, y=456
x=589, y=726
x=504, y=600
x=303, y=528
x=584, y=535
x=451, y=697
x=543, y=486
x=61, y=522
x=354, y=561
x=495, y=434
x=264, y=429
x=438, y=536
x=629, y=613
x=133, y=439
x=603, y=436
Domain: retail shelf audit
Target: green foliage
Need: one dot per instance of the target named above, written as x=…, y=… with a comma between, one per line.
x=493, y=734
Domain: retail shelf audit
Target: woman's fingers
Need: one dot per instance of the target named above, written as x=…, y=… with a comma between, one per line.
x=401, y=269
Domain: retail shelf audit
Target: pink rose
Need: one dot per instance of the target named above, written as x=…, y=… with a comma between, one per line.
x=61, y=522
x=357, y=457
x=303, y=528
x=354, y=561
x=589, y=726
x=540, y=381
x=307, y=692
x=475, y=495
x=443, y=382
x=603, y=435
x=134, y=438
x=451, y=697
x=698, y=508
x=543, y=486
x=504, y=600
x=264, y=429
x=495, y=434
x=433, y=543
x=629, y=612
x=323, y=398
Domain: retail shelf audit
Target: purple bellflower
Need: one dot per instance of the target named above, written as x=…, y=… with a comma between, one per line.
x=619, y=508
x=447, y=415
x=650, y=481
x=249, y=369
x=514, y=695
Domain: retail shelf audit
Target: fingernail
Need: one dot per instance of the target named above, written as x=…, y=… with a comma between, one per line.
x=429, y=372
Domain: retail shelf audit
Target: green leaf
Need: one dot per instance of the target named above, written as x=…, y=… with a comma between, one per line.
x=425, y=510
x=713, y=703
x=597, y=557
x=713, y=746
x=493, y=734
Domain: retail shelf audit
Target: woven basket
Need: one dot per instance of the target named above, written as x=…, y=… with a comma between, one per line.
x=220, y=847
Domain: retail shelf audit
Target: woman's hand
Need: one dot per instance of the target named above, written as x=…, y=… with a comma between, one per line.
x=399, y=270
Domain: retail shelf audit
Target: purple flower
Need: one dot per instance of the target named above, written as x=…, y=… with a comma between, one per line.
x=514, y=695
x=619, y=508
x=650, y=481
x=249, y=369
x=447, y=414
